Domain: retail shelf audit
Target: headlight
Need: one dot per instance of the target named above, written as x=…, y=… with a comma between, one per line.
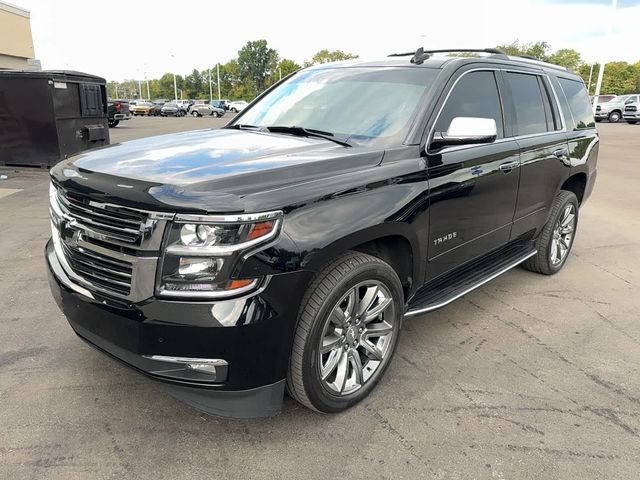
x=201, y=253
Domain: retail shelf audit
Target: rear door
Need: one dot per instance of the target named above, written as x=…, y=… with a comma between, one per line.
x=473, y=188
x=543, y=148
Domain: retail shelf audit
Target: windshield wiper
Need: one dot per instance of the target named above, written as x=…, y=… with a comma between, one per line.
x=307, y=132
x=245, y=126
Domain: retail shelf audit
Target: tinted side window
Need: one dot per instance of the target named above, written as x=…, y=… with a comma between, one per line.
x=578, y=103
x=475, y=95
x=528, y=103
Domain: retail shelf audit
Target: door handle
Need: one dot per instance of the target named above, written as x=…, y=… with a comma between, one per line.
x=561, y=153
x=507, y=167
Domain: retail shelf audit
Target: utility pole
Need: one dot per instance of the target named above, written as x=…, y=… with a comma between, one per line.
x=175, y=85
x=280, y=72
x=614, y=4
x=148, y=92
x=218, y=69
x=139, y=89
x=590, y=75
x=210, y=88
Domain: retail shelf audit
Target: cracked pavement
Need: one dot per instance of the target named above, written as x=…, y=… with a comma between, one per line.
x=529, y=377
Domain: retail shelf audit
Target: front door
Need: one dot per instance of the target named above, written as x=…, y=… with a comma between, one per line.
x=473, y=188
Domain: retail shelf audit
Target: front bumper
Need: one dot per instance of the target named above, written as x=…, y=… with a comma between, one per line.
x=634, y=116
x=122, y=116
x=252, y=334
x=601, y=115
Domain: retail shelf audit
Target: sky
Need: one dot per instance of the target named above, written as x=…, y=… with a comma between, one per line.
x=120, y=39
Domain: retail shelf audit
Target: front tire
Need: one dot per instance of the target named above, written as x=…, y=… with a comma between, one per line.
x=195, y=114
x=556, y=238
x=614, y=117
x=348, y=328
x=113, y=123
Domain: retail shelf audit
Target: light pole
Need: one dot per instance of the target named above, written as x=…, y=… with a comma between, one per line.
x=175, y=85
x=590, y=75
x=596, y=94
x=280, y=72
x=147, y=80
x=218, y=70
x=139, y=89
x=210, y=88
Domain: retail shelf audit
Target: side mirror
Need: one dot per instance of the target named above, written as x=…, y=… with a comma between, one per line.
x=466, y=131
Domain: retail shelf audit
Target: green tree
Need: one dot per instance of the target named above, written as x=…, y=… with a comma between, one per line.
x=194, y=85
x=566, y=57
x=537, y=50
x=256, y=62
x=326, y=56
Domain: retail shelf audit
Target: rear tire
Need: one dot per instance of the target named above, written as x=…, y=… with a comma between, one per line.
x=195, y=114
x=353, y=310
x=556, y=238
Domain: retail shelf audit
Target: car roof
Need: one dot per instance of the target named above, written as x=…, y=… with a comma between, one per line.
x=440, y=61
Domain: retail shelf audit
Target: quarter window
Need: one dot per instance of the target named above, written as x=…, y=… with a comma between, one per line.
x=578, y=103
x=475, y=95
x=528, y=103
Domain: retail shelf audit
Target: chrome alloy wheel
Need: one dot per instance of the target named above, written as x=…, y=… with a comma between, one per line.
x=563, y=235
x=357, y=338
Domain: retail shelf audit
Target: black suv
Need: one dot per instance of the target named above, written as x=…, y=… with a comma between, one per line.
x=284, y=250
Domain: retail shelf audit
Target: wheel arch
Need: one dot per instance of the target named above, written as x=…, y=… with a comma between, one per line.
x=393, y=242
x=576, y=183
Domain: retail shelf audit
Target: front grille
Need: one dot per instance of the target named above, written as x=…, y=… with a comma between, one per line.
x=105, y=247
x=117, y=223
x=630, y=108
x=97, y=269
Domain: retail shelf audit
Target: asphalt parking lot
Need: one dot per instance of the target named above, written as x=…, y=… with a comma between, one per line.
x=529, y=377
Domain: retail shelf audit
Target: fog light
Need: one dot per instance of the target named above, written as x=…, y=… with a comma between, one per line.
x=202, y=368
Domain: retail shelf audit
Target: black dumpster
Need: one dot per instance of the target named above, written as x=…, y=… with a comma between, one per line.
x=49, y=115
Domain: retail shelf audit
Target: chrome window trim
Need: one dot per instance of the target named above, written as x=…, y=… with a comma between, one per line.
x=500, y=140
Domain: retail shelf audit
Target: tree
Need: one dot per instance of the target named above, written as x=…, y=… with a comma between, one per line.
x=566, y=57
x=287, y=66
x=194, y=85
x=326, y=56
x=256, y=61
x=536, y=49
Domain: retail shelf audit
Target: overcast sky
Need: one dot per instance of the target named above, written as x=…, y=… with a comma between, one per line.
x=120, y=39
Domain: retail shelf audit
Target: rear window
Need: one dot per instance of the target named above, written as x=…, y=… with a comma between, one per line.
x=528, y=101
x=579, y=103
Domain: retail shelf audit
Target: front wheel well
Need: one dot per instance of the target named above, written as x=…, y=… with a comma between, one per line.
x=397, y=252
x=576, y=184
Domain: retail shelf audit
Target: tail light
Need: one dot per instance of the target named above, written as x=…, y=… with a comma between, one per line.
x=118, y=106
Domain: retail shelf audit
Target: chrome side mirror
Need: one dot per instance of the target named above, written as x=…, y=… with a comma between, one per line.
x=466, y=131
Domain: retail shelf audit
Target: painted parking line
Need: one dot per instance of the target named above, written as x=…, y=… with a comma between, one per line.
x=5, y=192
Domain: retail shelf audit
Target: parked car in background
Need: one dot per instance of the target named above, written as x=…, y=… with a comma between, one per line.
x=204, y=110
x=287, y=247
x=143, y=109
x=185, y=104
x=613, y=109
x=219, y=104
x=631, y=113
x=117, y=111
x=157, y=106
x=173, y=109
x=602, y=98
x=237, y=106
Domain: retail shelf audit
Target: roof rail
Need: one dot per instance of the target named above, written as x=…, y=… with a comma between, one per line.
x=534, y=60
x=420, y=55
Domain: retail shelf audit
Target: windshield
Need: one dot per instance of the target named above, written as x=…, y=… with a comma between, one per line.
x=171, y=104
x=360, y=104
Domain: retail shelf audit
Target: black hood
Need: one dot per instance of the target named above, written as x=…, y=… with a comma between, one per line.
x=210, y=170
